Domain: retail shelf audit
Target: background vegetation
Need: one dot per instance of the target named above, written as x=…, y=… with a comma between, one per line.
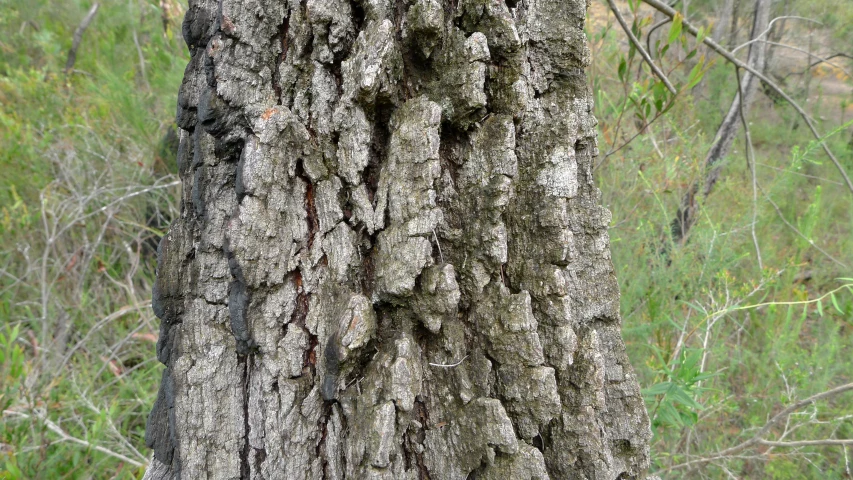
x=736, y=356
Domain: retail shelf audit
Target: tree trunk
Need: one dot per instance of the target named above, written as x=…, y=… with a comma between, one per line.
x=728, y=129
x=724, y=19
x=391, y=261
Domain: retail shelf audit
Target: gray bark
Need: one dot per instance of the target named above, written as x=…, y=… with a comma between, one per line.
x=729, y=127
x=724, y=19
x=391, y=260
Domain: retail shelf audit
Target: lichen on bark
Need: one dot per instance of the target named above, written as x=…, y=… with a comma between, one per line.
x=391, y=261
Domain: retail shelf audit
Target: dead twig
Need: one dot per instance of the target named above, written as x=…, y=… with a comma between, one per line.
x=657, y=71
x=670, y=12
x=78, y=37
x=65, y=437
x=758, y=438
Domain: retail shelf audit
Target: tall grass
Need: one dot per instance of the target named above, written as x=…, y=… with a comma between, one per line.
x=720, y=345
x=81, y=182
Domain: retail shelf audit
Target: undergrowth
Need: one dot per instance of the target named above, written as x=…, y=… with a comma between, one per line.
x=86, y=190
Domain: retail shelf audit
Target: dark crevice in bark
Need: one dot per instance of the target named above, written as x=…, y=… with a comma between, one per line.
x=332, y=355
x=419, y=436
x=260, y=457
x=358, y=16
x=451, y=140
x=539, y=443
x=239, y=299
x=492, y=379
x=244, y=361
x=505, y=280
x=323, y=426
x=451, y=7
x=377, y=153
x=477, y=472
x=408, y=55
x=368, y=273
x=297, y=319
x=310, y=207
x=281, y=38
x=310, y=360
x=379, y=142
x=337, y=73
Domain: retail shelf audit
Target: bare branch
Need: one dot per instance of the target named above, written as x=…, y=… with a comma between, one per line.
x=836, y=55
x=65, y=437
x=657, y=71
x=78, y=37
x=750, y=160
x=807, y=443
x=758, y=438
x=668, y=11
x=812, y=55
x=758, y=38
x=798, y=232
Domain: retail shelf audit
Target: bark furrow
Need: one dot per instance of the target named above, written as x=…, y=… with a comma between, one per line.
x=391, y=261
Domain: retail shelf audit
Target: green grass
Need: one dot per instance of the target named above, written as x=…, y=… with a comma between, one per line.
x=80, y=177
x=719, y=344
x=682, y=304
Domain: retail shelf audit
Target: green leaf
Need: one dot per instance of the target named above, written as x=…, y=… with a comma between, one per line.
x=658, y=389
x=659, y=94
x=13, y=470
x=683, y=398
x=703, y=376
x=820, y=308
x=691, y=360
x=700, y=35
x=623, y=69
x=696, y=74
x=835, y=303
x=669, y=415
x=675, y=28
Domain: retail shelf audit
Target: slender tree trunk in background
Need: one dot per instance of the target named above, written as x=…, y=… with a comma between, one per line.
x=724, y=19
x=733, y=26
x=728, y=129
x=391, y=260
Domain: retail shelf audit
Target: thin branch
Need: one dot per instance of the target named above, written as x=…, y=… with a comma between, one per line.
x=770, y=27
x=758, y=438
x=750, y=160
x=64, y=437
x=657, y=71
x=807, y=443
x=668, y=11
x=798, y=232
x=141, y=60
x=843, y=55
x=800, y=174
x=652, y=30
x=450, y=365
x=78, y=37
x=810, y=54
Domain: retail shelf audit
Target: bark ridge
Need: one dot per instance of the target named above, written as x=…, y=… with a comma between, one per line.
x=391, y=261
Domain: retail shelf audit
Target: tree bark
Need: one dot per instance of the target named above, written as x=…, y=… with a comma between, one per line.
x=728, y=129
x=724, y=20
x=391, y=260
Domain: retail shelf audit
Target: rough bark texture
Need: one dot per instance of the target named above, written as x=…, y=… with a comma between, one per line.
x=391, y=260
x=688, y=212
